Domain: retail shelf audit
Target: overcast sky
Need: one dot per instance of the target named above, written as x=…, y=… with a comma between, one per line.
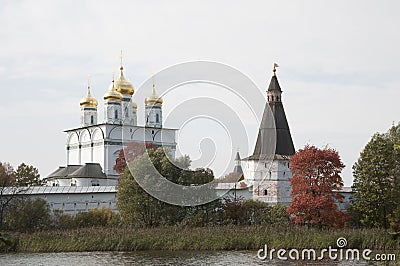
x=339, y=63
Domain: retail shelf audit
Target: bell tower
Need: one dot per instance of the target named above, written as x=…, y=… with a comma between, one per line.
x=88, y=109
x=153, y=109
x=268, y=168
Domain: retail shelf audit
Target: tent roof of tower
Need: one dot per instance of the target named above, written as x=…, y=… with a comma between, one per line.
x=274, y=136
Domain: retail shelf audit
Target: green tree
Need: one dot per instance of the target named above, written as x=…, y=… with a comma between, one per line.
x=256, y=212
x=29, y=215
x=27, y=175
x=376, y=180
x=8, y=189
x=278, y=215
x=209, y=214
x=137, y=207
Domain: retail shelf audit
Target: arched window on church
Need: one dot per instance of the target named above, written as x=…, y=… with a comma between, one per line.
x=116, y=114
x=157, y=118
x=91, y=119
x=272, y=97
x=265, y=192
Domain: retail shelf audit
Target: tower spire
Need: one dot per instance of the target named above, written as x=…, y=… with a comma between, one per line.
x=238, y=167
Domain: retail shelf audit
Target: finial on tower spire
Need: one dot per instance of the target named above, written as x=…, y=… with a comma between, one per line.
x=88, y=84
x=120, y=58
x=274, y=70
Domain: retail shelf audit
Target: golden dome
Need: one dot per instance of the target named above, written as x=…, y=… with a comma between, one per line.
x=153, y=99
x=134, y=105
x=112, y=94
x=88, y=100
x=123, y=86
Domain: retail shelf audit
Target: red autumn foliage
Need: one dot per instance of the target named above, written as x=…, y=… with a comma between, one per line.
x=133, y=150
x=315, y=182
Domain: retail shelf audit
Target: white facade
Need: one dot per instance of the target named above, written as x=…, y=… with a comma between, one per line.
x=239, y=190
x=72, y=200
x=153, y=116
x=88, y=116
x=270, y=179
x=129, y=111
x=80, y=182
x=112, y=112
x=102, y=143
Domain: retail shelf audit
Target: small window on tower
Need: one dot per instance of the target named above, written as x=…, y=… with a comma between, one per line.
x=91, y=119
x=277, y=98
x=265, y=192
x=157, y=118
x=116, y=114
x=272, y=98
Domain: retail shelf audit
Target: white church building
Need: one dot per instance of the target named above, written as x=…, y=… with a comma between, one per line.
x=93, y=147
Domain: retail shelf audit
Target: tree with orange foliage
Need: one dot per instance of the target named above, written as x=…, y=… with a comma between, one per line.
x=315, y=184
x=133, y=150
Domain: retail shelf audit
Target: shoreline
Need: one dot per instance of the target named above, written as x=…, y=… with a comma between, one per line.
x=179, y=238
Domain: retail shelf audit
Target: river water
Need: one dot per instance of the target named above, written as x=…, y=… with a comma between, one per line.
x=154, y=258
